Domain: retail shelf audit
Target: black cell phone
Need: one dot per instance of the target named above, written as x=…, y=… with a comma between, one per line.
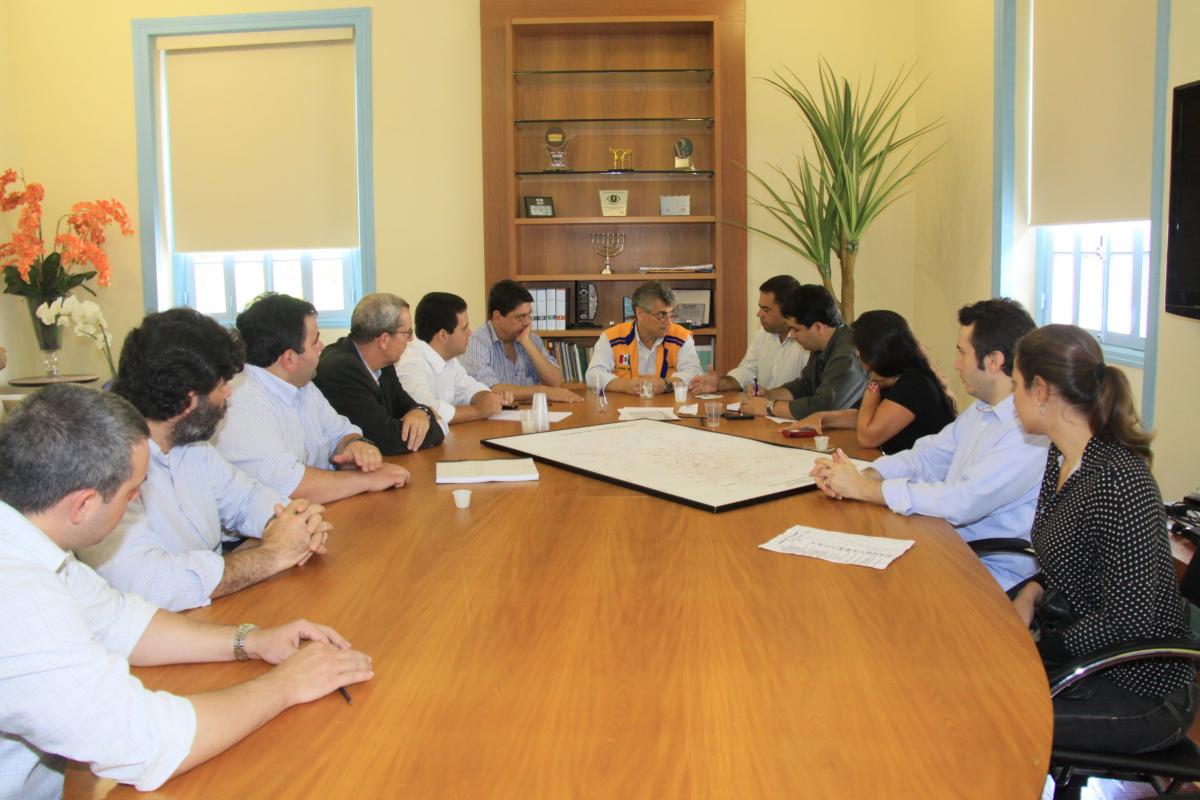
x=509, y=406
x=737, y=415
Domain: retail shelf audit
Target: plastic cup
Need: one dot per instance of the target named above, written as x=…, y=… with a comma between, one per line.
x=680, y=392
x=462, y=498
x=541, y=413
x=712, y=413
x=528, y=420
x=821, y=442
x=646, y=389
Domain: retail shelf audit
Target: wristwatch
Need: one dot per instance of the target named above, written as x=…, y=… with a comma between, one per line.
x=239, y=641
x=771, y=407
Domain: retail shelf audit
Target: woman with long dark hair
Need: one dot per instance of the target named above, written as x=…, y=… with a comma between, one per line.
x=905, y=399
x=1101, y=538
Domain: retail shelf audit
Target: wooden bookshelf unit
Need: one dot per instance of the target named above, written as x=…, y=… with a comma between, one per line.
x=621, y=74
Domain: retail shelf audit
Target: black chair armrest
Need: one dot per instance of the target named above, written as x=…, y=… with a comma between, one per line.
x=982, y=547
x=1080, y=668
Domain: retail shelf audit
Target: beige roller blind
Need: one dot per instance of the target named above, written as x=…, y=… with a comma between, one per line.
x=1092, y=110
x=260, y=140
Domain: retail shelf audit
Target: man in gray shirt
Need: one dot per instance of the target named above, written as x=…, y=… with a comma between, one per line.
x=833, y=378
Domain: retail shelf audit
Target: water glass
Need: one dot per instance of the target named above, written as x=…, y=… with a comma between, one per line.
x=680, y=392
x=528, y=421
x=712, y=413
x=647, y=387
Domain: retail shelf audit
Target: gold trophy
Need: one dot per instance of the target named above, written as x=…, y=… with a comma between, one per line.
x=621, y=158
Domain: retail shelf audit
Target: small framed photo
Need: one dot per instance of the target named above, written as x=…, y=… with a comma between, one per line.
x=693, y=307
x=538, y=207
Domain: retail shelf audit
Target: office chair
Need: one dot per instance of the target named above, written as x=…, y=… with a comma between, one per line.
x=1167, y=770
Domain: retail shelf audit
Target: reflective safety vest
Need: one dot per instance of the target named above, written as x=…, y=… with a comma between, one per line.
x=623, y=340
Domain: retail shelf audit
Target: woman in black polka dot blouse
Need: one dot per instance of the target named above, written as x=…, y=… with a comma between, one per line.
x=1101, y=537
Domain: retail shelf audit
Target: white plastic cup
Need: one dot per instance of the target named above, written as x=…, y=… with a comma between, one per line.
x=462, y=498
x=528, y=421
x=541, y=412
x=821, y=442
x=680, y=392
x=712, y=413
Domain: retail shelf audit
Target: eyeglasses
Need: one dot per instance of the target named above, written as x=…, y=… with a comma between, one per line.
x=661, y=316
x=406, y=335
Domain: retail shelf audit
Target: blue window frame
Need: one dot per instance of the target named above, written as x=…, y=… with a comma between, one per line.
x=170, y=278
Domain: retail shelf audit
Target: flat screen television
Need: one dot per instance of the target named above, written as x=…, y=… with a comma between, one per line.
x=1183, y=214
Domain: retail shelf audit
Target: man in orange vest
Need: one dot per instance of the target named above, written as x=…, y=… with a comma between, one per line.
x=649, y=348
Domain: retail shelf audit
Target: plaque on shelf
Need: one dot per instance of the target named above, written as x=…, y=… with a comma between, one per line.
x=556, y=149
x=675, y=205
x=622, y=158
x=614, y=202
x=538, y=206
x=683, y=154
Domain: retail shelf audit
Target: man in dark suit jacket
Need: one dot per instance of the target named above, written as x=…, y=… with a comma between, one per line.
x=357, y=374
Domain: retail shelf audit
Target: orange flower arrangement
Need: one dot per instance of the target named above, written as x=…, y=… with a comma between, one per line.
x=31, y=271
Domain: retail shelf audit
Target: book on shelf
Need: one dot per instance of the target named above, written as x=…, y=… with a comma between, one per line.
x=705, y=353
x=682, y=268
x=572, y=358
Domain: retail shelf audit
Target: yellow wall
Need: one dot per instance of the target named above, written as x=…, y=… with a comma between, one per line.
x=1176, y=465
x=70, y=125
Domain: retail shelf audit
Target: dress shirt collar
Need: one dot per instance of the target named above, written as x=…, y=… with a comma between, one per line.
x=1005, y=410
x=375, y=373
x=426, y=351
x=489, y=333
x=638, y=338
x=276, y=386
x=30, y=539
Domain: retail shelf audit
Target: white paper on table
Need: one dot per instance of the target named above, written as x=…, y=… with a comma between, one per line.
x=876, y=552
x=780, y=419
x=486, y=470
x=627, y=413
x=709, y=396
x=514, y=415
x=692, y=408
x=734, y=407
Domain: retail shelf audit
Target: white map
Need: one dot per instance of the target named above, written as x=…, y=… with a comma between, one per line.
x=693, y=465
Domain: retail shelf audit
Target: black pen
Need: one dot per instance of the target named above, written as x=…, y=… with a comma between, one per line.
x=345, y=694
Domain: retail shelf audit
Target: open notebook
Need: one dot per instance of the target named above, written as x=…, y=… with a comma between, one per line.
x=487, y=470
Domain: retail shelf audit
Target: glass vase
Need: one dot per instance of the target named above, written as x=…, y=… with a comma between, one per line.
x=49, y=337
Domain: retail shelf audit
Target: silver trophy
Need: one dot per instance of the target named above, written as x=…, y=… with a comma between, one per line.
x=608, y=245
x=683, y=154
x=556, y=149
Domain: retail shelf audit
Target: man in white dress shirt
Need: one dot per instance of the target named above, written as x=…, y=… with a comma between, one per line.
x=280, y=429
x=773, y=358
x=648, y=349
x=430, y=369
x=71, y=459
x=170, y=546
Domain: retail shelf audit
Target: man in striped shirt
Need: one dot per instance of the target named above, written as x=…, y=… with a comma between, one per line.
x=505, y=354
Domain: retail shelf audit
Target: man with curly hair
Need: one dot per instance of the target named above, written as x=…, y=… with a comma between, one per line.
x=170, y=546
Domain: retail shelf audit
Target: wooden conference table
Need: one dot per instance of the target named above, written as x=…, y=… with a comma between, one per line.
x=573, y=638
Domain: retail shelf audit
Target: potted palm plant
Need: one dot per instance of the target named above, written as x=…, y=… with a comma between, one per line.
x=863, y=164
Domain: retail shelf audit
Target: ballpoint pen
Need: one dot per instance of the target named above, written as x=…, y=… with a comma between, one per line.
x=756, y=386
x=345, y=694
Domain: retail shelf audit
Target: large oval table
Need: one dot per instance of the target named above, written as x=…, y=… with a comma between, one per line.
x=573, y=638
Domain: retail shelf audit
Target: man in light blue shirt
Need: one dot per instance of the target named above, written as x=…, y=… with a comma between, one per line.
x=505, y=354
x=981, y=473
x=280, y=429
x=175, y=370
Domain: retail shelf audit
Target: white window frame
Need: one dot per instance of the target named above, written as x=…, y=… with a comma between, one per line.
x=1120, y=348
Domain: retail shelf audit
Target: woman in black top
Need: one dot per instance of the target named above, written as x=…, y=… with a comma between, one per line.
x=1101, y=537
x=905, y=399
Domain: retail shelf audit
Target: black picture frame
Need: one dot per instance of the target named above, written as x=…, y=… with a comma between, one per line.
x=537, y=207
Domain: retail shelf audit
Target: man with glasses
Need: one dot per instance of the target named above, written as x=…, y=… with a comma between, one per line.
x=649, y=348
x=506, y=355
x=357, y=375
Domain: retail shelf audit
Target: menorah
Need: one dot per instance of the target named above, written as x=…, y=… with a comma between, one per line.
x=608, y=245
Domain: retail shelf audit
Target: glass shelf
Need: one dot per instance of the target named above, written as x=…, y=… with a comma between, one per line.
x=633, y=174
x=634, y=76
x=649, y=123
